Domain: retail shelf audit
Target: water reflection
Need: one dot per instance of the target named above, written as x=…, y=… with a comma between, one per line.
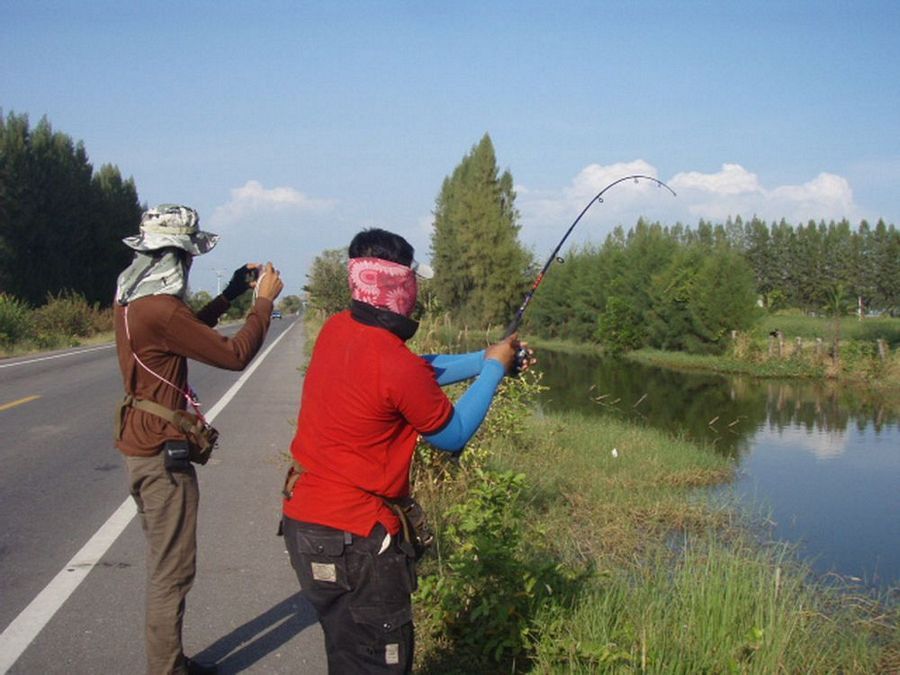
x=724, y=411
x=824, y=459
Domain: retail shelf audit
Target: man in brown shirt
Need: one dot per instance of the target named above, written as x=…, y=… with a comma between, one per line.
x=156, y=332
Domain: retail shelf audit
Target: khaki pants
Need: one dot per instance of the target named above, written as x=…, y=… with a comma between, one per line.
x=167, y=504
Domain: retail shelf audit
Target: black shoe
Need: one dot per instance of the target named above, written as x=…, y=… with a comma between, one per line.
x=196, y=668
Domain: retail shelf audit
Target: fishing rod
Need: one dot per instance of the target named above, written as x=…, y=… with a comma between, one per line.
x=598, y=198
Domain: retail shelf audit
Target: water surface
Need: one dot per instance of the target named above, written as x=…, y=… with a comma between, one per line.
x=824, y=461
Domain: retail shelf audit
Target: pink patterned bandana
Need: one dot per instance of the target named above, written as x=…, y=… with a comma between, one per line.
x=384, y=284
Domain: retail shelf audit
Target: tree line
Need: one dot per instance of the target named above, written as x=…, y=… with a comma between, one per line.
x=678, y=287
x=61, y=222
x=685, y=289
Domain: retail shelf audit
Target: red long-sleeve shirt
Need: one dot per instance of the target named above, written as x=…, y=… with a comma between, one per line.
x=366, y=398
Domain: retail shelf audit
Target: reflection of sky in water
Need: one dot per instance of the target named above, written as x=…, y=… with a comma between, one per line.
x=837, y=493
x=823, y=444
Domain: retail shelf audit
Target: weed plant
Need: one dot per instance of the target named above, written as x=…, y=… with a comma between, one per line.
x=15, y=321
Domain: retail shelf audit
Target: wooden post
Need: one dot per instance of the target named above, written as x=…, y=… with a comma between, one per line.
x=798, y=346
x=882, y=349
x=780, y=344
x=771, y=345
x=819, y=347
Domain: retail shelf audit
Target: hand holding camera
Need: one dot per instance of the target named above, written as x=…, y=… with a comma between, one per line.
x=269, y=283
x=242, y=280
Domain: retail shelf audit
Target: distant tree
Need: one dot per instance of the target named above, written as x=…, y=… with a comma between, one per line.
x=885, y=255
x=328, y=288
x=480, y=266
x=58, y=217
x=240, y=306
x=290, y=304
x=668, y=312
x=199, y=300
x=722, y=299
x=837, y=303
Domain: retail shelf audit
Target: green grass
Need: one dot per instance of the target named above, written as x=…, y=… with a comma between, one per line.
x=676, y=582
x=718, y=608
x=794, y=324
x=728, y=364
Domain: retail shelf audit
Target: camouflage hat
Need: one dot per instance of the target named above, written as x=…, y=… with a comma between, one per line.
x=171, y=225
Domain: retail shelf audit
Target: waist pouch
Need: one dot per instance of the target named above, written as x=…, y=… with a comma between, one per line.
x=201, y=437
x=416, y=531
x=417, y=534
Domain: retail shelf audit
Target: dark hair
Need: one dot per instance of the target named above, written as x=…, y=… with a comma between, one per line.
x=378, y=243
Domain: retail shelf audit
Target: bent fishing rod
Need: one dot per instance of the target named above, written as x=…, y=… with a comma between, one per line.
x=598, y=199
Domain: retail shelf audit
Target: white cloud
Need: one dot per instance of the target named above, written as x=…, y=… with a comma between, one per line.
x=259, y=224
x=733, y=179
x=252, y=200
x=714, y=196
x=594, y=177
x=736, y=191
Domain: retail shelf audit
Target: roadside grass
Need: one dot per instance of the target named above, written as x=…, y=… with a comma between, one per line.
x=28, y=348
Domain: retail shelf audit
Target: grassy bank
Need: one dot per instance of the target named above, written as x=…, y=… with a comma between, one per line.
x=791, y=344
x=573, y=544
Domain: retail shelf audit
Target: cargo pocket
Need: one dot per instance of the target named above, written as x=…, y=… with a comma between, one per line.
x=321, y=563
x=391, y=635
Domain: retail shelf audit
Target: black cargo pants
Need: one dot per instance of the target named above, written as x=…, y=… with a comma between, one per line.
x=361, y=593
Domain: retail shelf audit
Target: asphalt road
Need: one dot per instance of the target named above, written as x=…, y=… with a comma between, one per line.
x=61, y=480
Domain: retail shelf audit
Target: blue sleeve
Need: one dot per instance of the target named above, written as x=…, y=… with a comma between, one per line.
x=470, y=409
x=451, y=368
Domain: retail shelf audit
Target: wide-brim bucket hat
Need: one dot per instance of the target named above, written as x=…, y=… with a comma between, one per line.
x=172, y=225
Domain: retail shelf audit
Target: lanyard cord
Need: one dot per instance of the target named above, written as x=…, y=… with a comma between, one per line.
x=189, y=395
x=256, y=287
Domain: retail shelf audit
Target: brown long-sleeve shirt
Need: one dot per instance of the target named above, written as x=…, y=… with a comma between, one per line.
x=164, y=334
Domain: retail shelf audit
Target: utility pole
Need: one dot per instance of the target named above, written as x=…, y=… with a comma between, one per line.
x=219, y=273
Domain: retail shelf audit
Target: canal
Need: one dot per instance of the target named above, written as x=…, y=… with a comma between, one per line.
x=822, y=462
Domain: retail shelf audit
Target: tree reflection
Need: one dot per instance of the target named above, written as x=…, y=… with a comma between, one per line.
x=723, y=411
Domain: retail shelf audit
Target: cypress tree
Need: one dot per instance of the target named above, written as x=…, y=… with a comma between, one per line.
x=480, y=266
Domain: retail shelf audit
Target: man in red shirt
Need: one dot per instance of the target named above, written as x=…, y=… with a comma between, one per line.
x=366, y=400
x=156, y=332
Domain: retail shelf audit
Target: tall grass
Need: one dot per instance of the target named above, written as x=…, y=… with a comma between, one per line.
x=717, y=608
x=671, y=581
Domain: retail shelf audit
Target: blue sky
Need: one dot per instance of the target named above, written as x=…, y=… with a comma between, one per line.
x=291, y=125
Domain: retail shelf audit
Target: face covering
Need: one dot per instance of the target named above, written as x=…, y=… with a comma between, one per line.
x=161, y=272
x=383, y=284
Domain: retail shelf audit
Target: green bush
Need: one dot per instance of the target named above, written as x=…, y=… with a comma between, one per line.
x=496, y=577
x=15, y=320
x=68, y=315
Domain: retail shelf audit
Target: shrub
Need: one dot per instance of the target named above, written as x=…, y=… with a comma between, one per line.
x=15, y=320
x=68, y=315
x=497, y=575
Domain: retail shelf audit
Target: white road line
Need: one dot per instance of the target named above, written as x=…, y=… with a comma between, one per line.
x=25, y=627
x=55, y=356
